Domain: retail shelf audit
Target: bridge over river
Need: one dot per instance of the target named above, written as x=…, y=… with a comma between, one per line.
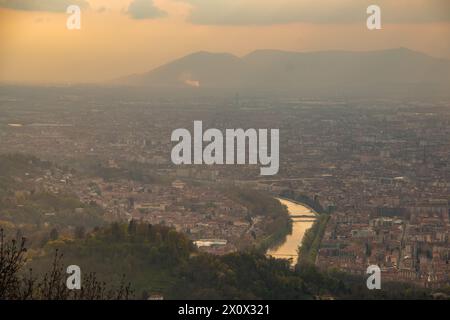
x=303, y=218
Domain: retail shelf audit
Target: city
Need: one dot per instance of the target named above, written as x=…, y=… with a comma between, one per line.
x=245, y=157
x=381, y=169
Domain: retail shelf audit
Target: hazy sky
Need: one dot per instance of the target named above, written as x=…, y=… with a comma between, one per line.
x=120, y=37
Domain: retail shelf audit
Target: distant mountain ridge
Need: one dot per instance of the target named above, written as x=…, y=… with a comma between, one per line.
x=391, y=70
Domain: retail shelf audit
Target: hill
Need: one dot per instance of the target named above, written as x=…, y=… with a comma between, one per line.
x=158, y=260
x=394, y=71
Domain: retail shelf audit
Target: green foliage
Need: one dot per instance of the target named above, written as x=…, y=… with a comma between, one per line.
x=16, y=284
x=255, y=276
x=12, y=165
x=312, y=239
x=157, y=259
x=237, y=276
x=21, y=203
x=146, y=254
x=58, y=210
x=277, y=223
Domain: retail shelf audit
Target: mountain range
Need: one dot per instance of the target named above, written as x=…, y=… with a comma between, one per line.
x=392, y=71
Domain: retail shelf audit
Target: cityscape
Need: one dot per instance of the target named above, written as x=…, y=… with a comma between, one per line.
x=230, y=150
x=380, y=169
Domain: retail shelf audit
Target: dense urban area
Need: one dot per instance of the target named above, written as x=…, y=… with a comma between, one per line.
x=376, y=171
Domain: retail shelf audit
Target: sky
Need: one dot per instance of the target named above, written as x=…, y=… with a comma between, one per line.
x=122, y=37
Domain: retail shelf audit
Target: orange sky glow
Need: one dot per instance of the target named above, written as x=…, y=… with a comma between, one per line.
x=36, y=46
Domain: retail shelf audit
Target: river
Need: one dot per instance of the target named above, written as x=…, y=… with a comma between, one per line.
x=288, y=249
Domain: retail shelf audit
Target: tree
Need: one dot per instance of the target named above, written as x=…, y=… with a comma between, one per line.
x=12, y=259
x=54, y=234
x=16, y=285
x=117, y=232
x=80, y=232
x=132, y=228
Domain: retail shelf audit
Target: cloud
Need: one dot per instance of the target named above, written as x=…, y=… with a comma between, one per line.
x=42, y=5
x=266, y=12
x=144, y=9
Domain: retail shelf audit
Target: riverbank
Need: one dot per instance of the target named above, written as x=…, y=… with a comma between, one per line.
x=274, y=221
x=305, y=200
x=299, y=203
x=302, y=218
x=310, y=245
x=276, y=238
